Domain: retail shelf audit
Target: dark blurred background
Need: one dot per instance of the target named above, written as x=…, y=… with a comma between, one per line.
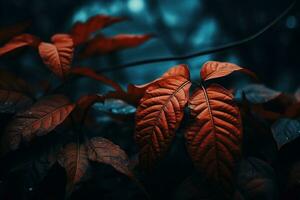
x=180, y=26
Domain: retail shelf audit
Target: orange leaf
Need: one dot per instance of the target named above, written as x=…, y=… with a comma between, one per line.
x=38, y=120
x=8, y=32
x=104, y=151
x=74, y=159
x=214, y=135
x=18, y=42
x=214, y=69
x=81, y=32
x=158, y=117
x=136, y=92
x=58, y=56
x=85, y=71
x=103, y=45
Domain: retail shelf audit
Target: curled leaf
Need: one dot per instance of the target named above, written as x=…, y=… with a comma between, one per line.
x=214, y=69
x=81, y=31
x=18, y=42
x=102, y=45
x=74, y=159
x=58, y=56
x=214, y=135
x=158, y=116
x=38, y=120
x=104, y=151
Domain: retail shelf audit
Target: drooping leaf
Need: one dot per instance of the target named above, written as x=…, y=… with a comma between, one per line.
x=8, y=32
x=18, y=42
x=81, y=32
x=257, y=93
x=58, y=56
x=214, y=69
x=88, y=72
x=14, y=93
x=214, y=134
x=74, y=159
x=134, y=93
x=285, y=130
x=256, y=180
x=102, y=45
x=158, y=116
x=38, y=120
x=104, y=151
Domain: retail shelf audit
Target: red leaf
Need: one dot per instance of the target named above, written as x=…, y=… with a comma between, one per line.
x=136, y=92
x=103, y=45
x=8, y=32
x=18, y=42
x=81, y=32
x=58, y=56
x=214, y=135
x=104, y=151
x=85, y=71
x=158, y=117
x=38, y=120
x=74, y=159
x=214, y=69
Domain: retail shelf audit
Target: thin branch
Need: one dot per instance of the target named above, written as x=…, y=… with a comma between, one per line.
x=204, y=52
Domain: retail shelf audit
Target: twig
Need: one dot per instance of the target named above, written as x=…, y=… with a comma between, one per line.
x=204, y=52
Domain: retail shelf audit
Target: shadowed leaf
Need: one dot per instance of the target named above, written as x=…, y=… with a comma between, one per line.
x=257, y=93
x=256, y=180
x=214, y=135
x=104, y=151
x=38, y=120
x=74, y=159
x=58, y=56
x=285, y=130
x=14, y=93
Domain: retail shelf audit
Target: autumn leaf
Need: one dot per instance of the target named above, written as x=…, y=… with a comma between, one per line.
x=158, y=116
x=7, y=33
x=104, y=151
x=15, y=93
x=214, y=134
x=74, y=159
x=38, y=120
x=58, y=56
x=214, y=69
x=18, y=42
x=88, y=72
x=102, y=45
x=134, y=93
x=81, y=31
